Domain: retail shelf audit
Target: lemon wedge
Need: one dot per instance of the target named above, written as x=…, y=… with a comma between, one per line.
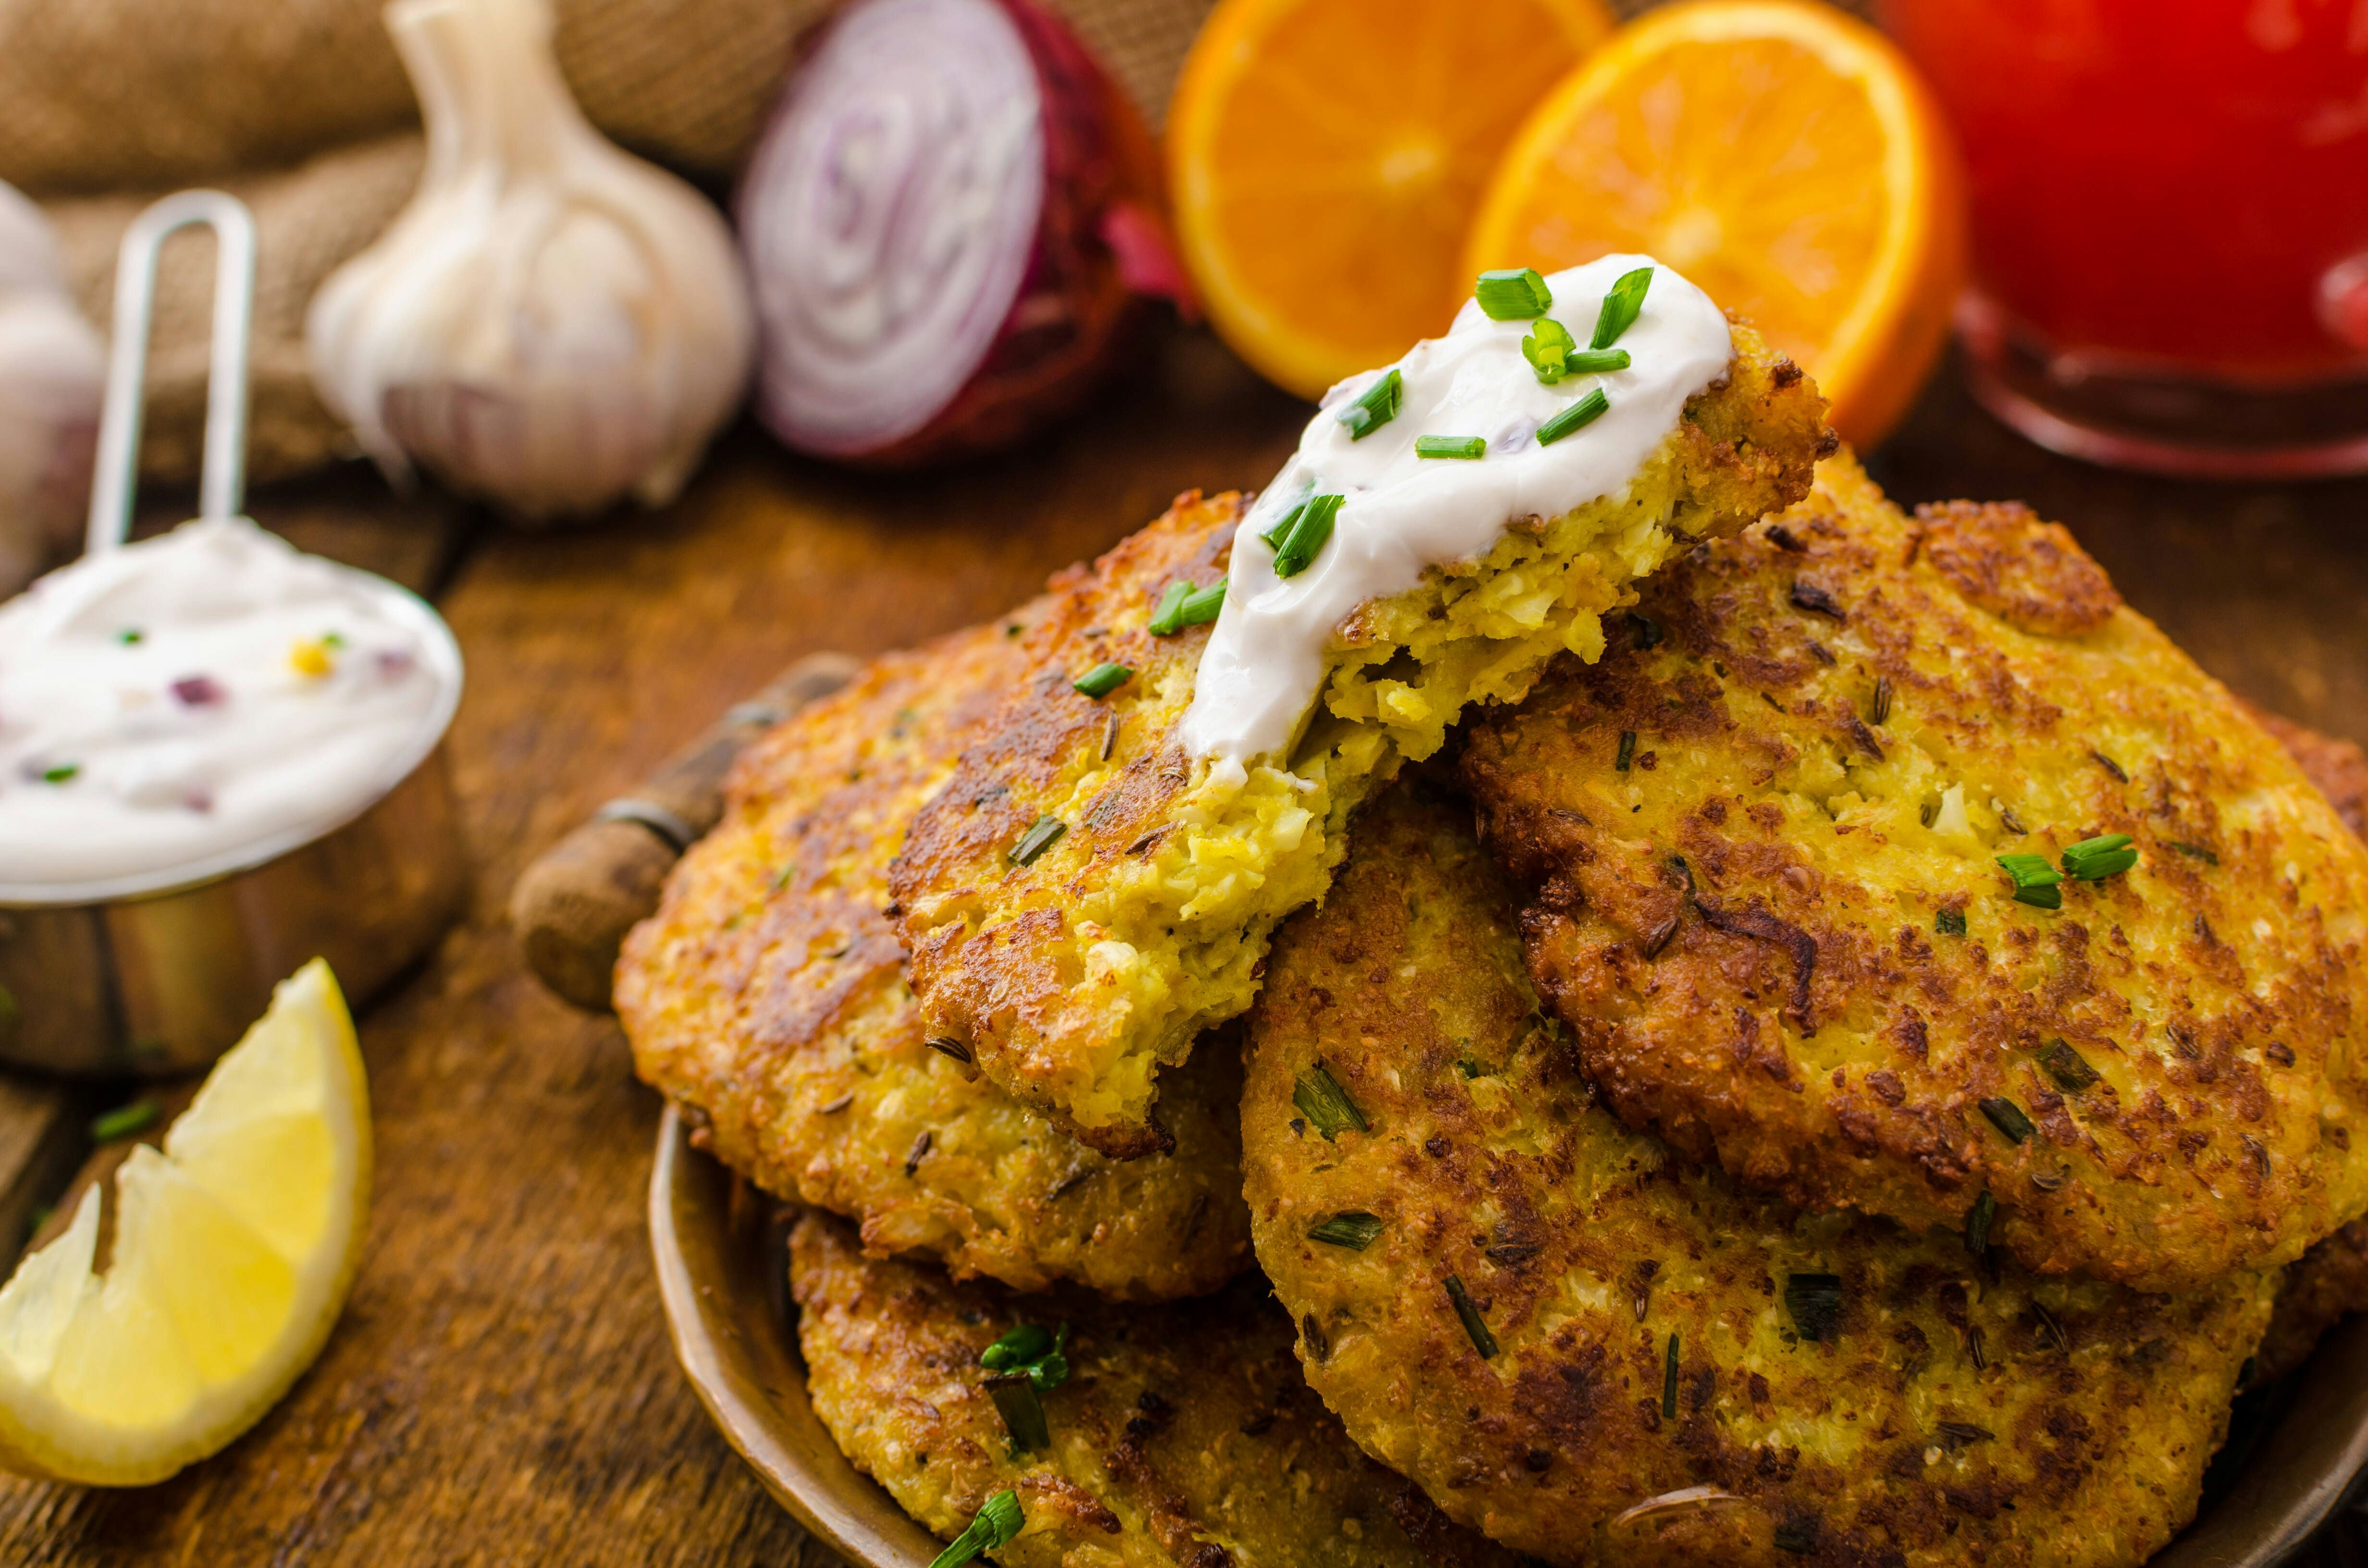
x=233, y=1250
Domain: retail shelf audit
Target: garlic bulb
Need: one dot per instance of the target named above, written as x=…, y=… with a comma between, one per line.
x=552, y=323
x=52, y=379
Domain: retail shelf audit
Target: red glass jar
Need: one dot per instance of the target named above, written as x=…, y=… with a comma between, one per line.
x=2170, y=223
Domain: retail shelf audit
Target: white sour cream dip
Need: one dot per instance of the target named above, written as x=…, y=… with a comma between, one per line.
x=1263, y=664
x=199, y=702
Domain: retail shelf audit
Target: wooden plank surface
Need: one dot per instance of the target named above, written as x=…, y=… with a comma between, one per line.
x=501, y=1391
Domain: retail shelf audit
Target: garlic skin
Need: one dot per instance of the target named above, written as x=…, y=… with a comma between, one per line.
x=552, y=323
x=52, y=379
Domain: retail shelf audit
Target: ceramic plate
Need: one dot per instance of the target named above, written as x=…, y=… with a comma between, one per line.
x=723, y=1270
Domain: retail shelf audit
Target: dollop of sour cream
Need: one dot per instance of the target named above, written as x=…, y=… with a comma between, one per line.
x=1263, y=664
x=197, y=702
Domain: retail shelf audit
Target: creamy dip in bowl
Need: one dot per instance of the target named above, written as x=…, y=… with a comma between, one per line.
x=219, y=757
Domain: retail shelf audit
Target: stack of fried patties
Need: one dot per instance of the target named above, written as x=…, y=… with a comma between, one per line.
x=1670, y=1132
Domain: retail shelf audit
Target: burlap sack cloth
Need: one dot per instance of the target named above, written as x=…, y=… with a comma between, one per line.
x=301, y=107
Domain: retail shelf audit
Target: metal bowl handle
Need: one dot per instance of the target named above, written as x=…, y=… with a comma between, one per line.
x=222, y=487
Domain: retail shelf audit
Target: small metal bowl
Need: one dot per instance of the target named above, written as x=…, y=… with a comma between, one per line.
x=723, y=1264
x=157, y=975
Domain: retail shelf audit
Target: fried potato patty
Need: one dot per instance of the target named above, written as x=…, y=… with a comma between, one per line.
x=1660, y=1367
x=1084, y=898
x=1762, y=840
x=1183, y=1437
x=768, y=995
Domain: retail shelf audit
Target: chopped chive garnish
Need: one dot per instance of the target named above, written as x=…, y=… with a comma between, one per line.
x=1351, y=1228
x=997, y=1521
x=2034, y=880
x=1024, y=1413
x=63, y=773
x=130, y=635
x=1648, y=631
x=2093, y=860
x=1950, y=922
x=2007, y=1118
x=1513, y=293
x=1621, y=307
x=1669, y=1380
x=2195, y=852
x=1322, y=1100
x=1481, y=1340
x=1585, y=361
x=1977, y=1223
x=1548, y=346
x=1627, y=751
x=1376, y=408
x=1202, y=605
x=1163, y=620
x=1578, y=416
x=1815, y=1303
x=1026, y=1344
x=1450, y=446
x=2067, y=1067
x=1103, y=679
x=1878, y=707
x=1955, y=1434
x=123, y=1121
x=1043, y=835
x=1311, y=526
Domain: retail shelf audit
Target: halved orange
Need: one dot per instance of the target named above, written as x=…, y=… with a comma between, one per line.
x=1783, y=157
x=1327, y=157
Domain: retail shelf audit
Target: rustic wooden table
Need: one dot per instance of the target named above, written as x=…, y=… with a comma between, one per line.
x=501, y=1391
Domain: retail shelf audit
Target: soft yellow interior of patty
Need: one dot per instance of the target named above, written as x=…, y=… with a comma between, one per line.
x=1172, y=940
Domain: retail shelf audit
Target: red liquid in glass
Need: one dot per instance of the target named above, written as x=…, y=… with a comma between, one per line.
x=2183, y=182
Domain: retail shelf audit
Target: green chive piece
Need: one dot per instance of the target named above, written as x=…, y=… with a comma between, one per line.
x=1578, y=416
x=1669, y=1380
x=1322, y=1100
x=124, y=1120
x=1481, y=1340
x=1627, y=751
x=1024, y=1413
x=1950, y=922
x=63, y=773
x=130, y=635
x=1351, y=1228
x=1977, y=1223
x=1376, y=408
x=1547, y=345
x=1274, y=536
x=2195, y=852
x=1164, y=621
x=1202, y=605
x=1046, y=833
x=1033, y=1349
x=2034, y=880
x=2067, y=1067
x=1648, y=631
x=1103, y=679
x=1595, y=361
x=2007, y=1118
x=997, y=1520
x=2094, y=859
x=1621, y=307
x=1797, y=1533
x=1306, y=541
x=1513, y=293
x=1450, y=446
x=1816, y=1302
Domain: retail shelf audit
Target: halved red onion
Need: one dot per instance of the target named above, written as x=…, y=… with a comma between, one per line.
x=947, y=223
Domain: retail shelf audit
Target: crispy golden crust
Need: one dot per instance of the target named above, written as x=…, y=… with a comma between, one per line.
x=1075, y=978
x=1183, y=1437
x=1952, y=1414
x=1848, y=715
x=768, y=995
